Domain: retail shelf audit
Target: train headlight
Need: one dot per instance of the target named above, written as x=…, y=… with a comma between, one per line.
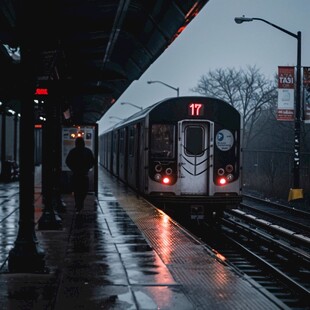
x=158, y=168
x=229, y=177
x=166, y=180
x=168, y=171
x=157, y=177
x=220, y=171
x=229, y=168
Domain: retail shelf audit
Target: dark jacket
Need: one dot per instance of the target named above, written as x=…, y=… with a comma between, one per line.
x=80, y=159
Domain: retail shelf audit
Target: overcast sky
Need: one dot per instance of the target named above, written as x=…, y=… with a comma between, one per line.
x=213, y=40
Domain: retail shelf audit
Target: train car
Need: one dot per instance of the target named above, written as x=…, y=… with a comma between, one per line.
x=184, y=151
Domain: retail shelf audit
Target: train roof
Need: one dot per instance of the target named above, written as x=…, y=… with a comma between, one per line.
x=146, y=111
x=133, y=117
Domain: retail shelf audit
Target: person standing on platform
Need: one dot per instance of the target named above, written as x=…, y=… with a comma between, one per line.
x=80, y=160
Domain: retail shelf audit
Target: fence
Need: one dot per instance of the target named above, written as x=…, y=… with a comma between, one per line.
x=271, y=173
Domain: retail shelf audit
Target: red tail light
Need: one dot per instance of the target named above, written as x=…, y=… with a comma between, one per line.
x=222, y=181
x=166, y=180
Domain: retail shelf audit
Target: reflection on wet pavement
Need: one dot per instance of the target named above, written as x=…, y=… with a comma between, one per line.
x=99, y=260
x=119, y=253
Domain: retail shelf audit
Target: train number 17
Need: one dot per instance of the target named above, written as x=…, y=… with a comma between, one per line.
x=195, y=109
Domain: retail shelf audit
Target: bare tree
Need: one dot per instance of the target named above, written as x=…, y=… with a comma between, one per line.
x=246, y=90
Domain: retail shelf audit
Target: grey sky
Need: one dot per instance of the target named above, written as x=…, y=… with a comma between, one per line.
x=213, y=40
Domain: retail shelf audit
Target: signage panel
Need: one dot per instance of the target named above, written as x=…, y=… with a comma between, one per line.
x=286, y=94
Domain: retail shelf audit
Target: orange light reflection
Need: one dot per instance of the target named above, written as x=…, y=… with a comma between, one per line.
x=165, y=237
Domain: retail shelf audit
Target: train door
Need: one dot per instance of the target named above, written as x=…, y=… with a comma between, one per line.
x=115, y=153
x=122, y=153
x=141, y=151
x=132, y=156
x=194, y=159
x=137, y=155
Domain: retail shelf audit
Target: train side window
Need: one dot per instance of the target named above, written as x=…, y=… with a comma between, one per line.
x=194, y=141
x=121, y=142
x=162, y=140
x=115, y=139
x=131, y=141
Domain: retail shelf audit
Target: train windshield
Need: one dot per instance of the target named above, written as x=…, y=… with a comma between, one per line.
x=194, y=141
x=162, y=142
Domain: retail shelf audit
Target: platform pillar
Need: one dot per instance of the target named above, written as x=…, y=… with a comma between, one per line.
x=27, y=255
x=51, y=140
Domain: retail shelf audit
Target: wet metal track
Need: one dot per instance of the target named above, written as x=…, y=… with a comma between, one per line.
x=120, y=253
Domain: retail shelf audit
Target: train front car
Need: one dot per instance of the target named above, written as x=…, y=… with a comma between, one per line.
x=195, y=155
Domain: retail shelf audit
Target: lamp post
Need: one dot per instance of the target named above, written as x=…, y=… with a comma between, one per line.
x=160, y=82
x=296, y=169
x=136, y=106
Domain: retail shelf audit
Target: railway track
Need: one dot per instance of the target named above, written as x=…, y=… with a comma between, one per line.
x=274, y=263
x=276, y=266
x=265, y=242
x=286, y=216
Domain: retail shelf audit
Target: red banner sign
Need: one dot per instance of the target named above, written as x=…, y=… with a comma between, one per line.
x=286, y=77
x=306, y=78
x=286, y=95
x=306, y=82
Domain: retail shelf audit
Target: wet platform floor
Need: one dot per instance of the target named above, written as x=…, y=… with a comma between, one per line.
x=120, y=253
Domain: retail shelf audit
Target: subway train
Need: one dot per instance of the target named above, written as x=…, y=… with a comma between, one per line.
x=182, y=151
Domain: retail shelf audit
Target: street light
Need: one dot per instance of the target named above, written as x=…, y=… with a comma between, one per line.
x=136, y=106
x=296, y=192
x=175, y=88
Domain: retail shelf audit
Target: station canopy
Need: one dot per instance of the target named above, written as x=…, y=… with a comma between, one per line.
x=90, y=51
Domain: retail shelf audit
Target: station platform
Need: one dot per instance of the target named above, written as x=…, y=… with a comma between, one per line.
x=120, y=252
